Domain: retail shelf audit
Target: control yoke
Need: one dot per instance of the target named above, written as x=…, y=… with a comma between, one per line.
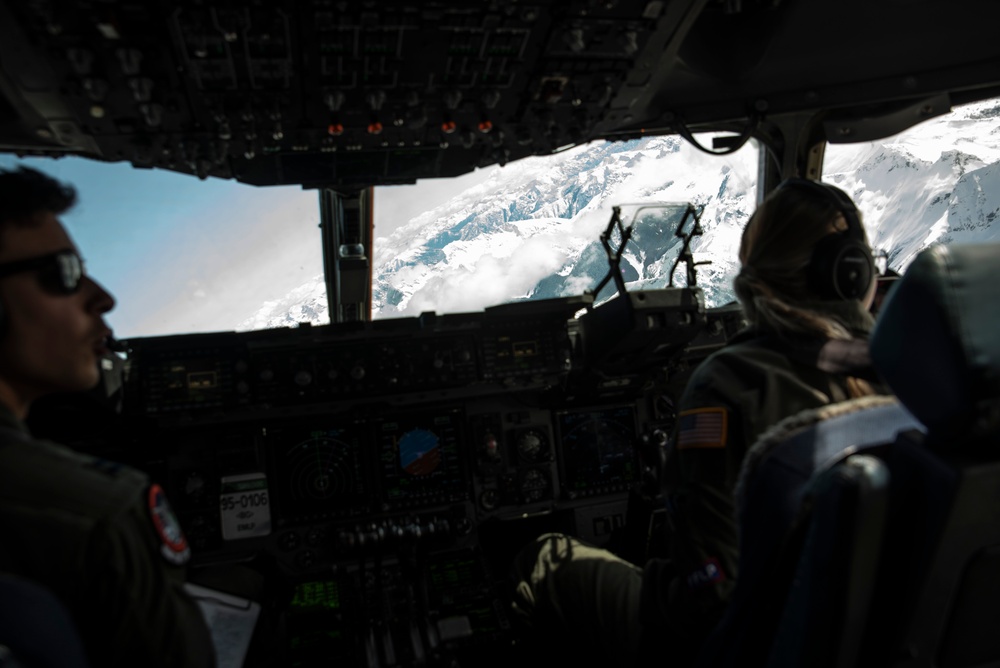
x=685, y=254
x=624, y=235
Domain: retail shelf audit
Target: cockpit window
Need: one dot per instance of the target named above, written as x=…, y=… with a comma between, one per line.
x=185, y=255
x=531, y=229
x=937, y=182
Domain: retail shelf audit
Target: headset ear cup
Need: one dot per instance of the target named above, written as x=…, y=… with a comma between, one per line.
x=841, y=268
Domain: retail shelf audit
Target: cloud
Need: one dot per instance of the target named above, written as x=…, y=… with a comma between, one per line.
x=579, y=284
x=492, y=279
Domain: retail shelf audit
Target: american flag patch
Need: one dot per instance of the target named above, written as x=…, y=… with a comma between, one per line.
x=702, y=428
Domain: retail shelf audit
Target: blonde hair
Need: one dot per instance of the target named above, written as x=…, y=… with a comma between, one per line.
x=775, y=251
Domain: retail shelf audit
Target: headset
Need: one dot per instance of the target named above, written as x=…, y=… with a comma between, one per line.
x=841, y=266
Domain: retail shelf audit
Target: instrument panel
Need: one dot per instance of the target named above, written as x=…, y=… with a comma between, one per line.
x=446, y=468
x=388, y=471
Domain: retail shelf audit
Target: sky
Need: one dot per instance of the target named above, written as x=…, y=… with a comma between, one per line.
x=183, y=255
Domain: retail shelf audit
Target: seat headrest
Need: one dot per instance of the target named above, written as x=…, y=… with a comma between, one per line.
x=936, y=341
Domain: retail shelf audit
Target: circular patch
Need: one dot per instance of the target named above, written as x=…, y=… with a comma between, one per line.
x=173, y=545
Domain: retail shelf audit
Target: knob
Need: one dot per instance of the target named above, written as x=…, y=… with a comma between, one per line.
x=530, y=444
x=491, y=448
x=289, y=541
x=489, y=499
x=347, y=541
x=305, y=559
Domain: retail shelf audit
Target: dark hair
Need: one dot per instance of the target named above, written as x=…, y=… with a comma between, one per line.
x=775, y=253
x=25, y=192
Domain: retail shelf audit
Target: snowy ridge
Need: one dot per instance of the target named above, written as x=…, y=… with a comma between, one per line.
x=306, y=303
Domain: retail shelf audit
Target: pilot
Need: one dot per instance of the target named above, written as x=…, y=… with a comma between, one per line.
x=806, y=282
x=98, y=535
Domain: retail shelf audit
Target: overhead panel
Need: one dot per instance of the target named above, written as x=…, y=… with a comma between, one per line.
x=318, y=93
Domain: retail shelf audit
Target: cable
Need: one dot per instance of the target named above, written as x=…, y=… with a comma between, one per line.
x=752, y=124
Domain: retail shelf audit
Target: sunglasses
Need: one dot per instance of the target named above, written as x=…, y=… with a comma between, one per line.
x=59, y=273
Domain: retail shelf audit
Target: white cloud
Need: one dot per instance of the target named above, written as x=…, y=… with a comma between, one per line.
x=491, y=279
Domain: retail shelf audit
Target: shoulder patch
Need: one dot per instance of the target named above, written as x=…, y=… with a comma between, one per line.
x=702, y=428
x=173, y=545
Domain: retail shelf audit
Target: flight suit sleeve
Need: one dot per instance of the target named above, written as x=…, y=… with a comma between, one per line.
x=144, y=614
x=706, y=452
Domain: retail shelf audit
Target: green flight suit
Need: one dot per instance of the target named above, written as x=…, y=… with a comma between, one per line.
x=731, y=399
x=103, y=539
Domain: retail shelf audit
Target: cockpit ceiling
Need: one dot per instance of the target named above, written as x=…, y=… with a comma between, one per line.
x=350, y=94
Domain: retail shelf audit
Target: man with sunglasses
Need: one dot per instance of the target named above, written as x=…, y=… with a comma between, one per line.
x=98, y=535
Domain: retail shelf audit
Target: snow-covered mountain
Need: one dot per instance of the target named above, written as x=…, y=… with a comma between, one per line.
x=306, y=303
x=531, y=229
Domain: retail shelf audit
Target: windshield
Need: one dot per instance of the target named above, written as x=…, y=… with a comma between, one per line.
x=186, y=255
x=531, y=230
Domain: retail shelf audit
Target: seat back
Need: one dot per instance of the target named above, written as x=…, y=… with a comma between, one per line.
x=938, y=599
x=826, y=607
x=792, y=481
x=937, y=346
x=36, y=630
